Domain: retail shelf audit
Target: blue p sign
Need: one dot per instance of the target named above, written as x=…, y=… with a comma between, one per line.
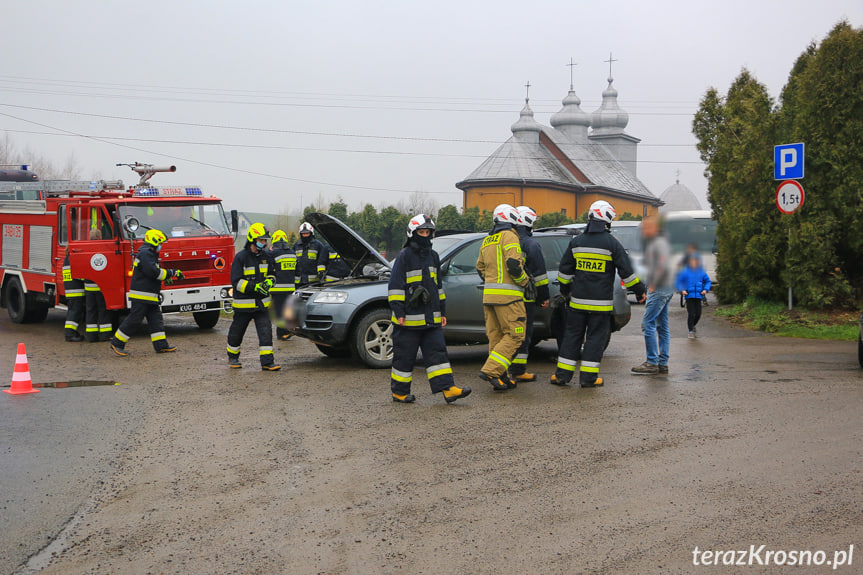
x=788, y=162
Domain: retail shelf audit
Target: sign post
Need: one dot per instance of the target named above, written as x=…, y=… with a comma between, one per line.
x=788, y=166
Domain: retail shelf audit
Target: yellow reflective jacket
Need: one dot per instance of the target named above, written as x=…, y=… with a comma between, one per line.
x=501, y=287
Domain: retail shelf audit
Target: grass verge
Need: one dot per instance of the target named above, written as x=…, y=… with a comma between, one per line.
x=775, y=318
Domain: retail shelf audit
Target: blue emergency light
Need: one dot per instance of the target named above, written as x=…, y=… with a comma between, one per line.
x=168, y=191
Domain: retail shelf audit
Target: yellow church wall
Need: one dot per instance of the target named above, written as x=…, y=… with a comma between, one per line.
x=545, y=200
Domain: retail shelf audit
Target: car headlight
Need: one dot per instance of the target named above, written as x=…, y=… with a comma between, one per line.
x=331, y=297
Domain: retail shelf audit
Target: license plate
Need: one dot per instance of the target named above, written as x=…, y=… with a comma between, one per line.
x=193, y=307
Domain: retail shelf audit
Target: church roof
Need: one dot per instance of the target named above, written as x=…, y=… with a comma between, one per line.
x=678, y=197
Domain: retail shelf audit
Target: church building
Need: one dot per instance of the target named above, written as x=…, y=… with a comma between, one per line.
x=564, y=168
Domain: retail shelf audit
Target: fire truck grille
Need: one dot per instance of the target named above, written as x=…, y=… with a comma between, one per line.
x=190, y=265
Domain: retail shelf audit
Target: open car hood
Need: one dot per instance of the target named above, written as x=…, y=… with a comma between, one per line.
x=355, y=251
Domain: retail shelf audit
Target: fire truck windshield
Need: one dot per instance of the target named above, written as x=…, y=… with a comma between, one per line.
x=175, y=220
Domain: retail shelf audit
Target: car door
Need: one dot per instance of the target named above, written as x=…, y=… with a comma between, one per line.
x=462, y=285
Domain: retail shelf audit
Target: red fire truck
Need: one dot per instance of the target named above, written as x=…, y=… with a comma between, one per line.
x=102, y=225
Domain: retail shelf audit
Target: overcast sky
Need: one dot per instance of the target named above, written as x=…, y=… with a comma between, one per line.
x=274, y=105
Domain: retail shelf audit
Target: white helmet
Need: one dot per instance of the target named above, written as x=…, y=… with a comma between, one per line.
x=526, y=216
x=602, y=210
x=505, y=213
x=420, y=222
x=306, y=228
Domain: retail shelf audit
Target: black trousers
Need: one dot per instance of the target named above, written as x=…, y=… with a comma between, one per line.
x=139, y=311
x=263, y=326
x=519, y=362
x=590, y=329
x=406, y=343
x=693, y=312
x=74, y=314
x=98, y=318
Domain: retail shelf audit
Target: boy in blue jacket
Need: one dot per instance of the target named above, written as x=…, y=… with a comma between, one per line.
x=693, y=284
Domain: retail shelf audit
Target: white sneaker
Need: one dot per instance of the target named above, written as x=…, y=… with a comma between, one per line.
x=691, y=335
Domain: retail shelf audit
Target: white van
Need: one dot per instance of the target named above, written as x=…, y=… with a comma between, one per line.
x=693, y=227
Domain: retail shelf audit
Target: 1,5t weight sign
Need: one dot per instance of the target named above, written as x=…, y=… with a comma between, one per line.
x=789, y=196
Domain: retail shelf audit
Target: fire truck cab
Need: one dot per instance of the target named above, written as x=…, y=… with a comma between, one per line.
x=101, y=226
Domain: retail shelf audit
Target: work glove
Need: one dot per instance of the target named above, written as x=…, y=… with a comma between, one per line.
x=169, y=278
x=178, y=275
x=513, y=266
x=265, y=286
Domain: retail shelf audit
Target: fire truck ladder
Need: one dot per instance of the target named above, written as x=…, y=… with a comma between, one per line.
x=62, y=186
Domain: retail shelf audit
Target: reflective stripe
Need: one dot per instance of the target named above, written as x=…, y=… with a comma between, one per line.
x=415, y=319
x=334, y=256
x=312, y=254
x=283, y=288
x=514, y=287
x=630, y=281
x=322, y=269
x=266, y=350
x=520, y=358
x=331, y=278
x=121, y=336
x=564, y=278
x=396, y=295
x=234, y=350
x=589, y=369
x=74, y=293
x=105, y=327
x=242, y=285
x=442, y=295
x=156, y=336
x=90, y=286
x=249, y=271
x=72, y=325
x=244, y=304
x=414, y=276
x=162, y=274
x=92, y=327
x=597, y=251
x=145, y=296
x=503, y=292
x=402, y=376
x=589, y=364
x=541, y=280
x=592, y=304
x=440, y=369
x=509, y=246
x=500, y=359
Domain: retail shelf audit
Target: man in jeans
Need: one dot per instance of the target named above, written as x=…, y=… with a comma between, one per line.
x=660, y=289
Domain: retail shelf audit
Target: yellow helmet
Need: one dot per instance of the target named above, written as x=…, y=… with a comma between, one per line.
x=279, y=236
x=257, y=231
x=155, y=238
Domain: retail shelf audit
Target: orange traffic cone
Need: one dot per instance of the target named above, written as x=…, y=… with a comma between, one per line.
x=21, y=382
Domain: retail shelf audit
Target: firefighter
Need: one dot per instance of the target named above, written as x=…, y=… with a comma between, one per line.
x=418, y=304
x=74, y=289
x=337, y=268
x=311, y=261
x=98, y=318
x=537, y=295
x=586, y=277
x=252, y=282
x=284, y=270
x=144, y=290
x=500, y=266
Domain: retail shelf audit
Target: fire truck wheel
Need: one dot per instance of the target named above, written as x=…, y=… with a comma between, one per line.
x=35, y=313
x=16, y=301
x=207, y=319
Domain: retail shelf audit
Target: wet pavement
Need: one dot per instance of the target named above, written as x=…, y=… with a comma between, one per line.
x=188, y=467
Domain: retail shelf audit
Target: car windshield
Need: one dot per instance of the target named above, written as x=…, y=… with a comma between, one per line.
x=628, y=236
x=176, y=220
x=441, y=245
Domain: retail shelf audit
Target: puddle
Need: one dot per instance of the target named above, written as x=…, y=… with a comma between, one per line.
x=80, y=383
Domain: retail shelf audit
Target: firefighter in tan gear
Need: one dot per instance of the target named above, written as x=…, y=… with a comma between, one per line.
x=501, y=267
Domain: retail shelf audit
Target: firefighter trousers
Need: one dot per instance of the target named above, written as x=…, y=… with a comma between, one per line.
x=74, y=315
x=519, y=363
x=590, y=329
x=98, y=317
x=140, y=310
x=263, y=326
x=406, y=343
x=504, y=325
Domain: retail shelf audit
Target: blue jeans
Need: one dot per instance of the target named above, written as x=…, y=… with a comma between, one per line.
x=654, y=325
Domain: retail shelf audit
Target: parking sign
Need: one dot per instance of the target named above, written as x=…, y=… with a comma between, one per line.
x=788, y=162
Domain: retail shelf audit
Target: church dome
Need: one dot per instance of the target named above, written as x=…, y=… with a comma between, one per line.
x=609, y=118
x=571, y=114
x=678, y=197
x=526, y=128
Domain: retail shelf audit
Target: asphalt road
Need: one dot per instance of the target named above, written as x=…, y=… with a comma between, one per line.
x=188, y=467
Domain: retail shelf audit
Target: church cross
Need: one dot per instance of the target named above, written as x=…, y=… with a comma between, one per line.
x=571, y=66
x=610, y=61
x=527, y=91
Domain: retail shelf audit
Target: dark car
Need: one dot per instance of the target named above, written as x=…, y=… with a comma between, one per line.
x=352, y=316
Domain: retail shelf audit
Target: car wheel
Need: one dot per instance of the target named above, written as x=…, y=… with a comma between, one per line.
x=372, y=338
x=334, y=352
x=207, y=319
x=16, y=301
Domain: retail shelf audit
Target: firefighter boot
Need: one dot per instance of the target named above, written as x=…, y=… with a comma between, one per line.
x=597, y=383
x=271, y=367
x=452, y=393
x=234, y=361
x=499, y=383
x=523, y=377
x=409, y=398
x=556, y=381
x=169, y=349
x=119, y=349
x=73, y=336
